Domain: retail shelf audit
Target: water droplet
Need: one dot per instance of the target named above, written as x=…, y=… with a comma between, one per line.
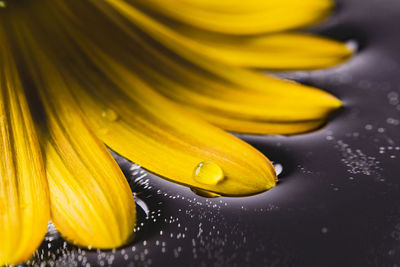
x=208, y=172
x=142, y=205
x=3, y=4
x=110, y=114
x=278, y=168
x=204, y=193
x=368, y=127
x=352, y=45
x=103, y=131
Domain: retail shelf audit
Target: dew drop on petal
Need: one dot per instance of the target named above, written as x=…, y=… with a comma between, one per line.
x=103, y=131
x=208, y=172
x=110, y=115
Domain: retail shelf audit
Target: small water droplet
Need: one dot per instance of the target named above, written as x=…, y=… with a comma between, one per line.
x=208, y=172
x=352, y=45
x=278, y=168
x=368, y=127
x=204, y=193
x=110, y=114
x=142, y=205
x=103, y=131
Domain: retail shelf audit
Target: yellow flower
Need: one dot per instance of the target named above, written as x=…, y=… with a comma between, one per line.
x=153, y=80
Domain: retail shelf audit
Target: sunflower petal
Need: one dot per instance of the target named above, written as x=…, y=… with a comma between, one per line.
x=239, y=17
x=91, y=202
x=282, y=51
x=24, y=202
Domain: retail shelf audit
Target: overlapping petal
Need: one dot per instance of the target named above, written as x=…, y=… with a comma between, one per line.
x=24, y=198
x=91, y=202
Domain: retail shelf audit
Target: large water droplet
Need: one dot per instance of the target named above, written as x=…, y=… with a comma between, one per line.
x=204, y=193
x=110, y=114
x=208, y=172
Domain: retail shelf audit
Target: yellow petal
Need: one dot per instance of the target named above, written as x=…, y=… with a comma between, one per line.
x=282, y=51
x=239, y=17
x=24, y=202
x=91, y=202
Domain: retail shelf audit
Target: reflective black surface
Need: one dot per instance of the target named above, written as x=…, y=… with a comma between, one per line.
x=338, y=199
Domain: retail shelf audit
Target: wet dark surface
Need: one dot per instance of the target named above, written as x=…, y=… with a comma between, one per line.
x=338, y=199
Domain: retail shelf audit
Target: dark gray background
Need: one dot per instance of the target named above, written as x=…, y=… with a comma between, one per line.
x=338, y=199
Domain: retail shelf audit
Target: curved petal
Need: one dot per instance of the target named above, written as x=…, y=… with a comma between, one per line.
x=280, y=51
x=91, y=202
x=24, y=202
x=239, y=17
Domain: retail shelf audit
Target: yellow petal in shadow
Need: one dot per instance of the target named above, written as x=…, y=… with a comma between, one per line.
x=91, y=202
x=24, y=199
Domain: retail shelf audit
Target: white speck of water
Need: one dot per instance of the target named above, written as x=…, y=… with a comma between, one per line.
x=368, y=127
x=324, y=230
x=352, y=45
